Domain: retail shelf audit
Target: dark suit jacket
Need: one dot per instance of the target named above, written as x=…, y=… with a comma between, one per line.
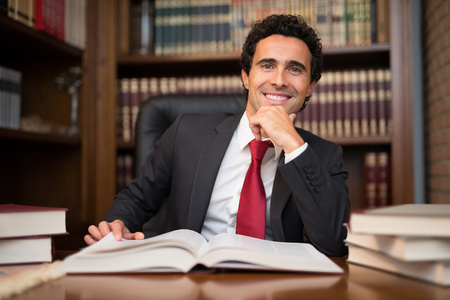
x=310, y=196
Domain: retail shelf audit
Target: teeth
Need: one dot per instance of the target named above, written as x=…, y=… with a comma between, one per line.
x=276, y=97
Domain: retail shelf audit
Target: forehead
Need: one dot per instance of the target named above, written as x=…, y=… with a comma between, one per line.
x=282, y=49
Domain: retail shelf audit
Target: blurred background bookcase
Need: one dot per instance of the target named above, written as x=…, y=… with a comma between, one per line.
x=80, y=171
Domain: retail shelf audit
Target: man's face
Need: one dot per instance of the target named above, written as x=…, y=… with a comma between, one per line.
x=280, y=74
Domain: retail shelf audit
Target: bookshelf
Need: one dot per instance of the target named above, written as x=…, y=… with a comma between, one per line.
x=385, y=55
x=41, y=167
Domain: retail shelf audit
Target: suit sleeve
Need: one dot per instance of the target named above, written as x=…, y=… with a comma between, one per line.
x=142, y=198
x=317, y=181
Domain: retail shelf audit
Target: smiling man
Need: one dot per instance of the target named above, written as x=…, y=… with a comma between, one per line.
x=202, y=161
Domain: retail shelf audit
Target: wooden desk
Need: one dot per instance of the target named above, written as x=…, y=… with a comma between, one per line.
x=358, y=283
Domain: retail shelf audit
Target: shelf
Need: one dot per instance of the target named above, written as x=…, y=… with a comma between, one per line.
x=344, y=141
x=20, y=42
x=228, y=63
x=28, y=136
x=362, y=141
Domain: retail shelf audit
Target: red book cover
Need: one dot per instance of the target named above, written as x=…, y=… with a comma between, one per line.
x=39, y=15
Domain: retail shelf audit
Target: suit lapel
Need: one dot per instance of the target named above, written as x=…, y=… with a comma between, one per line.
x=210, y=158
x=280, y=196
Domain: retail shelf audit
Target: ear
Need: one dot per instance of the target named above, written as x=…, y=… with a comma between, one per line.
x=311, y=87
x=244, y=79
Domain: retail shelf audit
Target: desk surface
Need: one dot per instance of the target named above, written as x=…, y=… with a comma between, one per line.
x=358, y=283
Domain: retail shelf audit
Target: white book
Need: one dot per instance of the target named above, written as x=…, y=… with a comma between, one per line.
x=406, y=219
x=182, y=250
x=402, y=247
x=430, y=271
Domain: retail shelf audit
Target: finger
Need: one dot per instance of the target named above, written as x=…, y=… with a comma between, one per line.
x=134, y=236
x=118, y=230
x=89, y=240
x=104, y=228
x=95, y=232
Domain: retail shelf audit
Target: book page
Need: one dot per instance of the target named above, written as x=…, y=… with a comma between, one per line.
x=232, y=248
x=187, y=239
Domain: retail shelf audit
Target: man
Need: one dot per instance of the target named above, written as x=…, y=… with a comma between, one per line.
x=201, y=161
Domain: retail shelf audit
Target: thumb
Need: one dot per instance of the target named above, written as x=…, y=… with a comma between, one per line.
x=292, y=117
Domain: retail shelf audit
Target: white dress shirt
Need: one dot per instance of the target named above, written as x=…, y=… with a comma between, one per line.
x=223, y=207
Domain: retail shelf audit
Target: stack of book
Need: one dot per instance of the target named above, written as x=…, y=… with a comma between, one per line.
x=412, y=240
x=26, y=232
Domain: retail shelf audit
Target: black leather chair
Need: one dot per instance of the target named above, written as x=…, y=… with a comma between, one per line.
x=156, y=115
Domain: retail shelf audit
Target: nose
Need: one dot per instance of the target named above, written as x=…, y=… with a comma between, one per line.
x=278, y=79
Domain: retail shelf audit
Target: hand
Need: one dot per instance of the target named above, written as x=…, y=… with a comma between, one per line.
x=273, y=122
x=104, y=228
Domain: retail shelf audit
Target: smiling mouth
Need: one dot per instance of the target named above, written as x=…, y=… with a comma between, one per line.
x=274, y=97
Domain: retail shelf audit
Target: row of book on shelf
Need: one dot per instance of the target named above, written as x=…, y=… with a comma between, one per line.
x=346, y=103
x=26, y=232
x=10, y=97
x=411, y=240
x=62, y=19
x=133, y=91
x=177, y=27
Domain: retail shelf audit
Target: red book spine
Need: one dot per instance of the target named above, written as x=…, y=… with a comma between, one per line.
x=356, y=104
x=331, y=120
x=370, y=190
x=347, y=101
x=372, y=85
x=339, y=106
x=381, y=99
x=364, y=97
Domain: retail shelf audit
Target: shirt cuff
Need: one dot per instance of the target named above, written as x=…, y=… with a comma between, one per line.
x=291, y=156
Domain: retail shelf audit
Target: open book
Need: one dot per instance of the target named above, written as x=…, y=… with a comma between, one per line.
x=182, y=250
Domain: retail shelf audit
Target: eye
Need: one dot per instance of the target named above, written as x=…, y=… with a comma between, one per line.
x=295, y=70
x=267, y=66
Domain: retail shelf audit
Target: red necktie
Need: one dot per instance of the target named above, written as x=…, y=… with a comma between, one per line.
x=251, y=219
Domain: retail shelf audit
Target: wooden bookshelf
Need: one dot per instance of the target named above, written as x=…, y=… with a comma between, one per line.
x=40, y=168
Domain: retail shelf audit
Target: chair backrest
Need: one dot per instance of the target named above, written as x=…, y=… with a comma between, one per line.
x=157, y=113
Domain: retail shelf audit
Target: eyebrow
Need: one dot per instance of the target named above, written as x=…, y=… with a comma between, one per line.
x=290, y=62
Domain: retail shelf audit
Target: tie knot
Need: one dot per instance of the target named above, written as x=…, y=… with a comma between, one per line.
x=258, y=149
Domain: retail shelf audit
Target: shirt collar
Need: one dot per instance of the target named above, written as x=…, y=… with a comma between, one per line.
x=245, y=136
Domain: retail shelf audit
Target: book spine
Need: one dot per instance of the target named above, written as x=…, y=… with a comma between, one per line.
x=382, y=100
x=159, y=27
x=330, y=100
x=134, y=103
x=339, y=103
x=383, y=179
x=322, y=100
x=125, y=108
x=364, y=98
x=370, y=173
x=347, y=102
x=372, y=102
x=356, y=104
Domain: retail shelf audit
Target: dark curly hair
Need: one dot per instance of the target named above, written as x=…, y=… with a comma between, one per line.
x=289, y=26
